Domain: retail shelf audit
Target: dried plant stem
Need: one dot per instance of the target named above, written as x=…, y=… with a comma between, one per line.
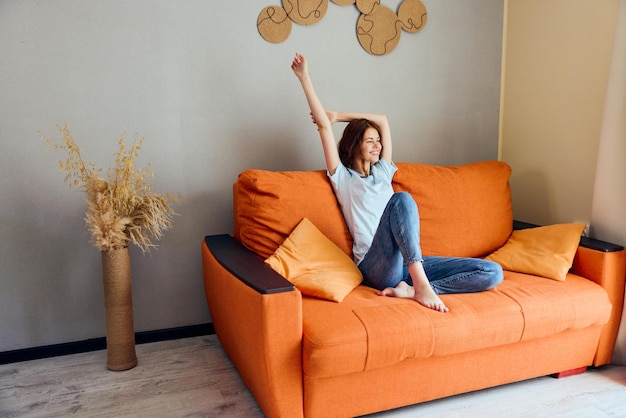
x=121, y=209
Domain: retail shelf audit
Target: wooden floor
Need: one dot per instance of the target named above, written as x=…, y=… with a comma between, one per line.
x=192, y=377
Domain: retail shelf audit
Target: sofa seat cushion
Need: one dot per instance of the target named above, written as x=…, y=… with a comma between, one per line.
x=367, y=331
x=550, y=307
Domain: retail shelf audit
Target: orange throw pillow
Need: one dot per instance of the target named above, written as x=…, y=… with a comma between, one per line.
x=314, y=264
x=546, y=251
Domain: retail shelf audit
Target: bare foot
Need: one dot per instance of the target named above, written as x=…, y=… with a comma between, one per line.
x=423, y=292
x=424, y=295
x=402, y=290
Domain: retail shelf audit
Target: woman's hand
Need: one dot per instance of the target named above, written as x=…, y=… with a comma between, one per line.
x=331, y=114
x=299, y=66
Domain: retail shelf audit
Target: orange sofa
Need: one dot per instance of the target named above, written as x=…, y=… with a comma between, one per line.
x=305, y=356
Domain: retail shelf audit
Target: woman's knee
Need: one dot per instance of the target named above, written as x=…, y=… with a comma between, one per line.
x=403, y=198
x=493, y=272
x=404, y=202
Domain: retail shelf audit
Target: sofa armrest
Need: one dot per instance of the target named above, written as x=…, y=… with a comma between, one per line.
x=257, y=316
x=606, y=267
x=245, y=265
x=605, y=264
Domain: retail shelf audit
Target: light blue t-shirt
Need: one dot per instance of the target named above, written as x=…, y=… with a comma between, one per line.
x=363, y=201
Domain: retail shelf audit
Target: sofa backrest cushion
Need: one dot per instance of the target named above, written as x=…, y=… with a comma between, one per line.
x=269, y=205
x=465, y=210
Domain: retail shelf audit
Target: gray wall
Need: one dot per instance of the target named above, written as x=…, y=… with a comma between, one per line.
x=212, y=98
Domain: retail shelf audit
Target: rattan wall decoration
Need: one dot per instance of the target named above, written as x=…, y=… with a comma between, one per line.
x=378, y=27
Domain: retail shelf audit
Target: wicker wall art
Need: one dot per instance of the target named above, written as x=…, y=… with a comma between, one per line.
x=378, y=27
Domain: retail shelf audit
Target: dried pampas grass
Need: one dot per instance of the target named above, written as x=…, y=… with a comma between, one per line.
x=121, y=209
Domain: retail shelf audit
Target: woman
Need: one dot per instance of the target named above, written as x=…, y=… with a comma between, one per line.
x=385, y=225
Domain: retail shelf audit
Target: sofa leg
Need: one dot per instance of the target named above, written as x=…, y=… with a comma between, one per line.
x=572, y=372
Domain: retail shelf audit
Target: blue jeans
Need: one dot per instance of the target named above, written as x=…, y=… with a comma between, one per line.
x=396, y=245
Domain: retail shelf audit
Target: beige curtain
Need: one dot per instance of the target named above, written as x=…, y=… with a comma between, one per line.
x=608, y=213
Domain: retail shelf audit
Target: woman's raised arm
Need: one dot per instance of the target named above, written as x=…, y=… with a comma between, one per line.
x=299, y=66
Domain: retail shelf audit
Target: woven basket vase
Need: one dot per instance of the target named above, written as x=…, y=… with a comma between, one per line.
x=118, y=306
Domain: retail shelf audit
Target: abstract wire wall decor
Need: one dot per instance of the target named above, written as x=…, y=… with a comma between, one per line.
x=378, y=27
